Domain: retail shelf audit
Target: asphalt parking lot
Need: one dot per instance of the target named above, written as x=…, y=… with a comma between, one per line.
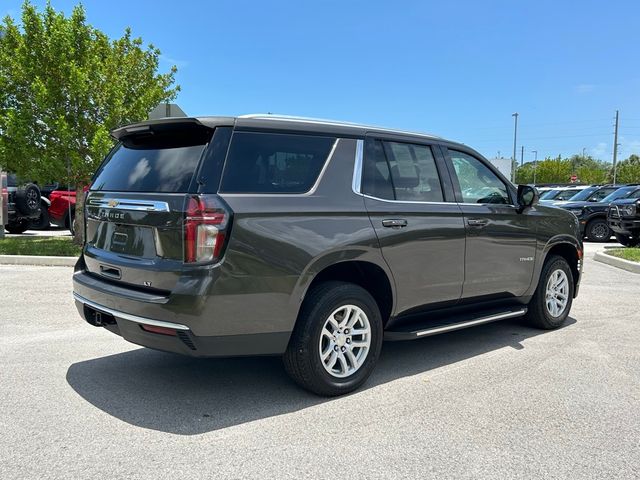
x=496, y=401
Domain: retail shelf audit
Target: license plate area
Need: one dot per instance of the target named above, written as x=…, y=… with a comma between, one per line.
x=131, y=240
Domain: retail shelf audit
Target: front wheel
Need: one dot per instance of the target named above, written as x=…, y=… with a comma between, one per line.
x=627, y=241
x=598, y=231
x=551, y=303
x=337, y=339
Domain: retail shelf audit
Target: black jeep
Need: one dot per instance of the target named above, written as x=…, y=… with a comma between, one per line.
x=24, y=202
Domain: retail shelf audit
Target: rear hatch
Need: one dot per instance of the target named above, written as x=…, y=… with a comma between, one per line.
x=139, y=207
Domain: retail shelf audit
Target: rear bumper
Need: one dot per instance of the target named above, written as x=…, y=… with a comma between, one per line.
x=131, y=314
x=182, y=340
x=624, y=227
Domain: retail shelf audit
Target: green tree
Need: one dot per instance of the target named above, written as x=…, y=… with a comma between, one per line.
x=560, y=170
x=628, y=171
x=588, y=169
x=63, y=86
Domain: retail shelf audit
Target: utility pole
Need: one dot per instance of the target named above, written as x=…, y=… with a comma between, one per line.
x=515, y=138
x=583, y=153
x=522, y=155
x=535, y=164
x=615, y=148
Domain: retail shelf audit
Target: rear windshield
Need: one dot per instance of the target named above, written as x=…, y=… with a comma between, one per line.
x=157, y=163
x=274, y=163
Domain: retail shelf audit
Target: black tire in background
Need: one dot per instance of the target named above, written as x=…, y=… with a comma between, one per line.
x=538, y=314
x=27, y=199
x=71, y=223
x=18, y=227
x=302, y=360
x=627, y=241
x=597, y=230
x=43, y=221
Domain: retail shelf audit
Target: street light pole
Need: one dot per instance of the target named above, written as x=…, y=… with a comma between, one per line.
x=615, y=148
x=535, y=164
x=515, y=139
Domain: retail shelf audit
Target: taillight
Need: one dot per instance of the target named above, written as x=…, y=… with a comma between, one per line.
x=205, y=229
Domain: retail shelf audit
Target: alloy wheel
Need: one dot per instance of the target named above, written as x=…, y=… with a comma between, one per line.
x=557, y=293
x=345, y=341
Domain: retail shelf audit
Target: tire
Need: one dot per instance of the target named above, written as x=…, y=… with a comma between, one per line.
x=539, y=313
x=627, y=241
x=18, y=227
x=597, y=230
x=303, y=361
x=70, y=222
x=43, y=220
x=28, y=200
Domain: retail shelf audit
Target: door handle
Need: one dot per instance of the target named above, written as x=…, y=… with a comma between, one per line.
x=477, y=222
x=394, y=223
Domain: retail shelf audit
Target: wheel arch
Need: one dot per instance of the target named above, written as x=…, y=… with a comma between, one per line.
x=571, y=250
x=369, y=275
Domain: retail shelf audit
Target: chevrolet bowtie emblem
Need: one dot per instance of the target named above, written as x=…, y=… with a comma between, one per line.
x=113, y=203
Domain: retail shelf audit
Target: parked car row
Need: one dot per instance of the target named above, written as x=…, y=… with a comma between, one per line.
x=590, y=204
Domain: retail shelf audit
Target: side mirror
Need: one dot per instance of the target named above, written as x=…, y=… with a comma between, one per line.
x=527, y=197
x=594, y=199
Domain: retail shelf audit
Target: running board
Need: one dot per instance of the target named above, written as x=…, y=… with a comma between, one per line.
x=455, y=323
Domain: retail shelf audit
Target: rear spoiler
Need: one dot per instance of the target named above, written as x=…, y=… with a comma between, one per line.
x=170, y=123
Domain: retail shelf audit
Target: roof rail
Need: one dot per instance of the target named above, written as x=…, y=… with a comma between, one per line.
x=322, y=121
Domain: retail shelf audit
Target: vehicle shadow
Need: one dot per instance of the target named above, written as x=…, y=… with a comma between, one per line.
x=188, y=396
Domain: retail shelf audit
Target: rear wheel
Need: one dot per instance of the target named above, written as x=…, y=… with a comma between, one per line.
x=336, y=341
x=551, y=303
x=598, y=231
x=627, y=240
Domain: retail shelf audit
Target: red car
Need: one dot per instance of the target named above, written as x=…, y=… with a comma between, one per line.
x=63, y=208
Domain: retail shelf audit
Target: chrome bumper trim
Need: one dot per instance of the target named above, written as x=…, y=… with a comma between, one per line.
x=128, y=316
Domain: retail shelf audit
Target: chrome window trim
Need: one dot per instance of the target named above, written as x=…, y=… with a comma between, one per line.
x=130, y=204
x=308, y=193
x=128, y=316
x=407, y=201
x=489, y=204
x=356, y=184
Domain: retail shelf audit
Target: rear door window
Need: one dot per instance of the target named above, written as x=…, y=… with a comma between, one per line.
x=274, y=163
x=401, y=171
x=376, y=178
x=413, y=172
x=160, y=163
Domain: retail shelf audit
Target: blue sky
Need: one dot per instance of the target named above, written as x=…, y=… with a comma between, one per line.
x=457, y=69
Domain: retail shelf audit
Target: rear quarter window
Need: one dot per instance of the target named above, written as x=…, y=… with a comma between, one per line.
x=274, y=163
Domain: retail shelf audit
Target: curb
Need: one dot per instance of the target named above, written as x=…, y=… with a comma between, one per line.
x=627, y=265
x=38, y=260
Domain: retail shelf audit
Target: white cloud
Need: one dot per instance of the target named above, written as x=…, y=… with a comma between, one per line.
x=584, y=88
x=627, y=147
x=174, y=61
x=599, y=150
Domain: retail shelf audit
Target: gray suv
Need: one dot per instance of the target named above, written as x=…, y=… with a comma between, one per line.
x=314, y=240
